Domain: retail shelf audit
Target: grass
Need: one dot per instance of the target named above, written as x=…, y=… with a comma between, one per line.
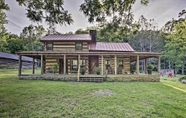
x=39, y=98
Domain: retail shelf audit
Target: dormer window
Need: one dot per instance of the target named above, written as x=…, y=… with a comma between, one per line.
x=49, y=46
x=78, y=46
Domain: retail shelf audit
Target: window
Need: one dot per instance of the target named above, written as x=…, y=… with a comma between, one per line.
x=82, y=62
x=49, y=46
x=107, y=63
x=74, y=65
x=120, y=63
x=78, y=46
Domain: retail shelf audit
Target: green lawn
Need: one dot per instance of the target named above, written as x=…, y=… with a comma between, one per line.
x=41, y=98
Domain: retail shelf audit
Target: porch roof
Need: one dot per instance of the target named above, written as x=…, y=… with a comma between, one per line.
x=132, y=55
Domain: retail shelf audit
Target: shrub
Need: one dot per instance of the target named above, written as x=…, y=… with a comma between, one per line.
x=182, y=78
x=82, y=69
x=150, y=67
x=98, y=69
x=55, y=67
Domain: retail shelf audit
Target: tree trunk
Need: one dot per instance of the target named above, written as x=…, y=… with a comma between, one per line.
x=169, y=65
x=183, y=66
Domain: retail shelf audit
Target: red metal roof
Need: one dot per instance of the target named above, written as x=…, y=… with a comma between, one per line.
x=67, y=37
x=104, y=46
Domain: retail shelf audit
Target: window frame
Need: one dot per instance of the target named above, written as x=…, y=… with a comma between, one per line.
x=48, y=48
x=107, y=63
x=72, y=65
x=76, y=47
x=120, y=65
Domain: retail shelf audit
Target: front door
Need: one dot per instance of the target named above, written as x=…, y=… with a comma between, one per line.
x=93, y=63
x=61, y=66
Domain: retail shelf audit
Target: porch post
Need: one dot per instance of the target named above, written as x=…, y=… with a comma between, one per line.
x=64, y=64
x=101, y=64
x=159, y=64
x=145, y=66
x=137, y=65
x=41, y=64
x=33, y=65
x=78, y=68
x=115, y=58
x=20, y=65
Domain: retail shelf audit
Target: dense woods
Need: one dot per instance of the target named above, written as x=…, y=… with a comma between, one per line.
x=114, y=23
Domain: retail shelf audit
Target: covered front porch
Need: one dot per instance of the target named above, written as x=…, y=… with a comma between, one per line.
x=113, y=65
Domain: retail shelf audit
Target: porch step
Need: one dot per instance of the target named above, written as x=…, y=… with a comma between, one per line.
x=91, y=79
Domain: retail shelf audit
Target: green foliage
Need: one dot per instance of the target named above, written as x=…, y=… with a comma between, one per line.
x=82, y=69
x=51, y=11
x=117, y=10
x=31, y=36
x=182, y=78
x=132, y=68
x=55, y=68
x=150, y=67
x=81, y=31
x=98, y=69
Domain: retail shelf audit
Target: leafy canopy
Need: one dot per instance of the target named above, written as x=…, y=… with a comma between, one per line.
x=51, y=11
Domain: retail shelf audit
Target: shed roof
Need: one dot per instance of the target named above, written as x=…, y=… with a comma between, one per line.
x=105, y=46
x=67, y=37
x=15, y=57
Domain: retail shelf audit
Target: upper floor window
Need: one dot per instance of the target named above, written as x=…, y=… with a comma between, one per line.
x=78, y=46
x=49, y=46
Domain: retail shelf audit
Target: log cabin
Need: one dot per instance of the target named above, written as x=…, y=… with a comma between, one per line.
x=70, y=52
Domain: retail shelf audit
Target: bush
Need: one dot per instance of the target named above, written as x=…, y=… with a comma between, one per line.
x=182, y=78
x=55, y=67
x=98, y=69
x=82, y=69
x=150, y=67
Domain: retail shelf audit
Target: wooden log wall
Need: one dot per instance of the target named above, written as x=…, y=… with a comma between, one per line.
x=126, y=63
x=49, y=62
x=67, y=46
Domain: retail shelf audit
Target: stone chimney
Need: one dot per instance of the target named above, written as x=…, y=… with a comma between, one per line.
x=93, y=35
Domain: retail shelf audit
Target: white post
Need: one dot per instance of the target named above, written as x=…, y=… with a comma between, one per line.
x=115, y=58
x=41, y=64
x=101, y=64
x=159, y=64
x=64, y=64
x=137, y=65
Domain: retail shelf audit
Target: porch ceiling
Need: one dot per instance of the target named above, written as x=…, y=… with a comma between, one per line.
x=131, y=54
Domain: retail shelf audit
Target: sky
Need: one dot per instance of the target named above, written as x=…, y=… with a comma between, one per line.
x=159, y=10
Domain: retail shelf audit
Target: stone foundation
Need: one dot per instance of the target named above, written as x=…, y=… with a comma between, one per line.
x=109, y=78
x=131, y=78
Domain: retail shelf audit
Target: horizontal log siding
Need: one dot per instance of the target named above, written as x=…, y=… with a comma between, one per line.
x=127, y=64
x=49, y=63
x=68, y=46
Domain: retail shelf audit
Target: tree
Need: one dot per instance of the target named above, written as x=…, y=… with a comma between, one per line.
x=3, y=32
x=14, y=44
x=100, y=10
x=114, y=17
x=31, y=36
x=81, y=31
x=51, y=11
x=176, y=46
